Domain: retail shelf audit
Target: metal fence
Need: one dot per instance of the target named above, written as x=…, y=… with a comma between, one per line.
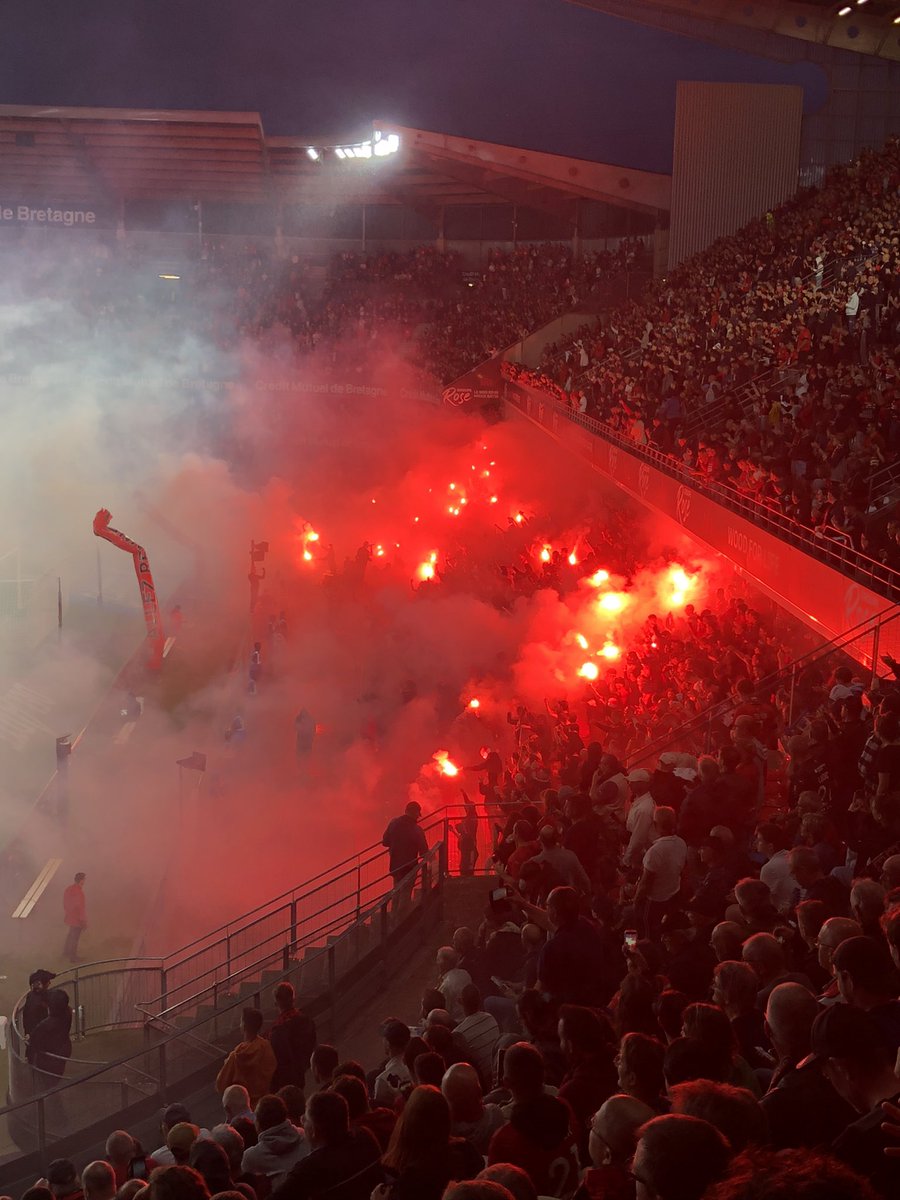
x=180, y=1007
x=173, y=1046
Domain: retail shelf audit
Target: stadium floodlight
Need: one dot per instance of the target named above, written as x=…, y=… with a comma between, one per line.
x=379, y=147
x=387, y=145
x=313, y=153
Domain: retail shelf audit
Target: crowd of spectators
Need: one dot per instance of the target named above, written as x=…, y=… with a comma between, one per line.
x=684, y=984
x=768, y=362
x=424, y=302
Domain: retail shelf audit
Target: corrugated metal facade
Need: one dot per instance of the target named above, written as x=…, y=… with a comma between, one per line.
x=737, y=154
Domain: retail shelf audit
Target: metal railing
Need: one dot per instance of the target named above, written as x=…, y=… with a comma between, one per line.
x=177, y=1047
x=315, y=936
x=880, y=577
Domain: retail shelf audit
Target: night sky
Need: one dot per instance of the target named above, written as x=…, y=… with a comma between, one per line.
x=544, y=74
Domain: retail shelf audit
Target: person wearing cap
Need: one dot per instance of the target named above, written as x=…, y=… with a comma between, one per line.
x=801, y=1105
x=395, y=1072
x=50, y=1044
x=867, y=979
x=174, y=1114
x=858, y=1060
x=406, y=845
x=639, y=822
x=63, y=1181
x=666, y=787
x=663, y=865
x=35, y=1008
x=180, y=1139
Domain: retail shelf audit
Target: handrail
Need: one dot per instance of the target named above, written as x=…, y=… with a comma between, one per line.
x=883, y=578
x=209, y=941
x=207, y=1047
x=228, y=926
x=433, y=856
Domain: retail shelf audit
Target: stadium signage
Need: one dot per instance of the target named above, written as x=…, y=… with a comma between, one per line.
x=24, y=214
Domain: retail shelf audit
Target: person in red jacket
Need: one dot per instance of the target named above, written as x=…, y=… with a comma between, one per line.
x=74, y=915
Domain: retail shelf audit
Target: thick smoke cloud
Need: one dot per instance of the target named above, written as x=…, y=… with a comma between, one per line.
x=384, y=661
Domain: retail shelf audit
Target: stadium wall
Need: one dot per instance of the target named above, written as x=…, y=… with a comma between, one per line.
x=736, y=155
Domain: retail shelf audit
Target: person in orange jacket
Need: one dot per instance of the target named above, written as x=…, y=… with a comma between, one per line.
x=252, y=1062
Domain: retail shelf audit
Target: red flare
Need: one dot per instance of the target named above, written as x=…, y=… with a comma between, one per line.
x=445, y=766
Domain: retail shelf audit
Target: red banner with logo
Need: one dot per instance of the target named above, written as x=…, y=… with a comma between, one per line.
x=477, y=389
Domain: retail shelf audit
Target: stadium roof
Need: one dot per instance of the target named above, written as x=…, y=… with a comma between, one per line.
x=865, y=26
x=90, y=156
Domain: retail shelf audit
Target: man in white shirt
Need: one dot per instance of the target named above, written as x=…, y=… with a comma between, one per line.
x=663, y=866
x=452, y=981
x=639, y=822
x=395, y=1073
x=776, y=871
x=851, y=308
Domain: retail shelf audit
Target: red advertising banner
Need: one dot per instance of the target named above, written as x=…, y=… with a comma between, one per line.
x=476, y=389
x=823, y=597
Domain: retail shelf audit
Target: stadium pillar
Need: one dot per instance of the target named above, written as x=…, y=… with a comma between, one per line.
x=279, y=228
x=441, y=234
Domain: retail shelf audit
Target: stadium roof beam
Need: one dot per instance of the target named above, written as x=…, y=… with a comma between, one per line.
x=514, y=191
x=867, y=29
x=567, y=177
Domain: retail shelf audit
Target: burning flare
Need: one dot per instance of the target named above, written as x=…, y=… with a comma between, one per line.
x=613, y=602
x=445, y=766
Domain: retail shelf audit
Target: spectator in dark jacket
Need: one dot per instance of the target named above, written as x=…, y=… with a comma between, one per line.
x=293, y=1039
x=405, y=842
x=50, y=1045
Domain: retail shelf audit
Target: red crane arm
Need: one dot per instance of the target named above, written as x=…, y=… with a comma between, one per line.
x=156, y=639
